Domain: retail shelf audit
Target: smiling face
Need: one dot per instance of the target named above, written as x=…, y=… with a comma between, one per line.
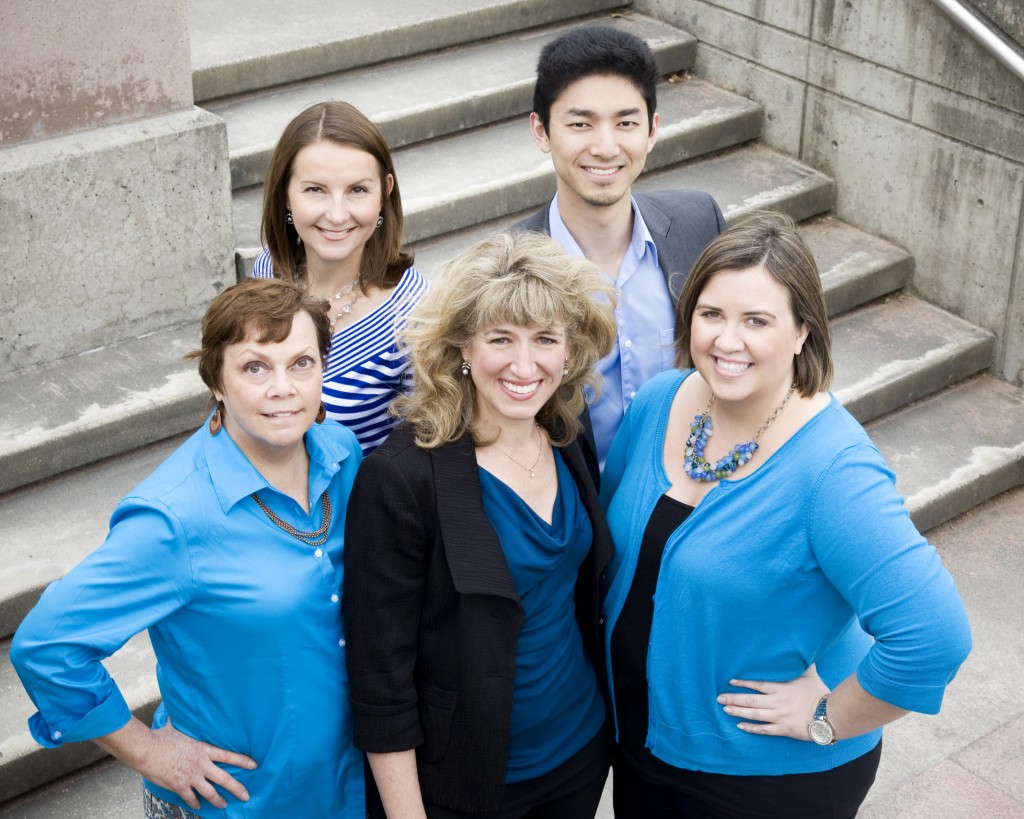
x=744, y=336
x=598, y=138
x=335, y=195
x=271, y=391
x=515, y=371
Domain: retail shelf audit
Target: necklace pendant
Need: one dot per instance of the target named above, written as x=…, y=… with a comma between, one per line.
x=532, y=475
x=346, y=308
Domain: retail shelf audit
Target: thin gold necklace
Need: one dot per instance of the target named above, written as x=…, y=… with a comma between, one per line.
x=540, y=451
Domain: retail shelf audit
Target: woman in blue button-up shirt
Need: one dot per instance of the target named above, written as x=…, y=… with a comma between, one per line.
x=230, y=553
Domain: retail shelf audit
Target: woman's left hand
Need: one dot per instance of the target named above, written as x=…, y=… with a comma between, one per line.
x=780, y=709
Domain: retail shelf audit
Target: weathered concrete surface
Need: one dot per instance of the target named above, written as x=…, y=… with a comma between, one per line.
x=919, y=125
x=308, y=38
x=71, y=66
x=111, y=233
x=420, y=98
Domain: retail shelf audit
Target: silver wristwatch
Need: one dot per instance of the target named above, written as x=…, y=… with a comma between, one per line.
x=819, y=728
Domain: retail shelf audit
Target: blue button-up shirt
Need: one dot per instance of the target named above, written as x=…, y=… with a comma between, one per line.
x=245, y=621
x=645, y=318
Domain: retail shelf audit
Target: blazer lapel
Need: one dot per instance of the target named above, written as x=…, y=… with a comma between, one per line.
x=474, y=553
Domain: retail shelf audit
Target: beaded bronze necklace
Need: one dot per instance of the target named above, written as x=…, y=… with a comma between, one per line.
x=316, y=538
x=702, y=428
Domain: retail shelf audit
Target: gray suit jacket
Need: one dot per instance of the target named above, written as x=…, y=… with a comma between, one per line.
x=681, y=223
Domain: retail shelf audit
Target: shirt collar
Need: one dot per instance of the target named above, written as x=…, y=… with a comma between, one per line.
x=235, y=478
x=640, y=242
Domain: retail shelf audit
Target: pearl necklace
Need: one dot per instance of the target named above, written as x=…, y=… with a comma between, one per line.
x=702, y=428
x=540, y=451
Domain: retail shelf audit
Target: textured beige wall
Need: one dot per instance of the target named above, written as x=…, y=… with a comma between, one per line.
x=921, y=128
x=67, y=66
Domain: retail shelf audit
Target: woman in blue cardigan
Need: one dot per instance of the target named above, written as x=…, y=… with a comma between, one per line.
x=754, y=565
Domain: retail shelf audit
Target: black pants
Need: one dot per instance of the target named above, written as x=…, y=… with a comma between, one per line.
x=834, y=794
x=571, y=791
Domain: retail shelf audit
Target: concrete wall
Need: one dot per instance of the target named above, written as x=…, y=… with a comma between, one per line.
x=922, y=129
x=115, y=198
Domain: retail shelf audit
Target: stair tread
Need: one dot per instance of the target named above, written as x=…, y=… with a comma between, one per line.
x=107, y=788
x=897, y=350
x=276, y=44
x=955, y=449
x=419, y=98
x=68, y=412
x=476, y=175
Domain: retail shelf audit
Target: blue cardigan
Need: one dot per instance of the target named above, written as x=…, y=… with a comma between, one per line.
x=771, y=573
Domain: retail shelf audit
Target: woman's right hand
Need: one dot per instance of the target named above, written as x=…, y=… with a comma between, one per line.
x=178, y=763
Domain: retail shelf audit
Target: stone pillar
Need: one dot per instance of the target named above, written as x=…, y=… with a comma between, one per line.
x=115, y=200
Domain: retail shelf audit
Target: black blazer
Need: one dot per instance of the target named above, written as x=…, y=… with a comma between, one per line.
x=432, y=617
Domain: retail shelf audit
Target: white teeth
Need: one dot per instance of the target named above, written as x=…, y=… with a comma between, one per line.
x=731, y=366
x=602, y=171
x=520, y=389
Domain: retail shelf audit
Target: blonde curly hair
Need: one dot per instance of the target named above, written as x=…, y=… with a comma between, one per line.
x=520, y=278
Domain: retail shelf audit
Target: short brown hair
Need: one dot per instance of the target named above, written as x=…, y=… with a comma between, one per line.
x=260, y=309
x=518, y=277
x=384, y=260
x=772, y=241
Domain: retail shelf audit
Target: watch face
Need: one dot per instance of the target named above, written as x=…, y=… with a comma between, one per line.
x=821, y=732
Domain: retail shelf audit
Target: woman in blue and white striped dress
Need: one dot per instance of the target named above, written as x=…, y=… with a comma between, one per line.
x=332, y=219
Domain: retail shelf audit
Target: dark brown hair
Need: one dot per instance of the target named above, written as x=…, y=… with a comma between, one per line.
x=769, y=240
x=258, y=309
x=384, y=260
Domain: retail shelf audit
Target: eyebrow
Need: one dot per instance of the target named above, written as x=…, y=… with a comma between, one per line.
x=586, y=112
x=705, y=306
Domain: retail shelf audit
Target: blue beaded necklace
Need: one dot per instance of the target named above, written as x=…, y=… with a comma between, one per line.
x=702, y=428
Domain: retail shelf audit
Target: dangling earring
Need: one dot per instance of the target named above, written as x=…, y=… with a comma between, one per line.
x=565, y=367
x=288, y=217
x=321, y=413
x=380, y=219
x=465, y=367
x=215, y=420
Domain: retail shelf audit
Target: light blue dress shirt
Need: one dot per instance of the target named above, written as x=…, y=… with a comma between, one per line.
x=644, y=317
x=245, y=621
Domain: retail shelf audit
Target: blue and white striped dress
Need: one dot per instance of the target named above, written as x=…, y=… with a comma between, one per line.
x=365, y=369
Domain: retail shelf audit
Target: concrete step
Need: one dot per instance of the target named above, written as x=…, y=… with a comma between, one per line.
x=52, y=525
x=77, y=410
x=424, y=97
x=105, y=789
x=24, y=765
x=955, y=449
x=900, y=349
x=488, y=172
x=283, y=43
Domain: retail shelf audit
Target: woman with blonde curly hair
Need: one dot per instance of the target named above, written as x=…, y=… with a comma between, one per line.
x=478, y=548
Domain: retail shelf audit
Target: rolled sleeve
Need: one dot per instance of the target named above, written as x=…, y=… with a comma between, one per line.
x=135, y=578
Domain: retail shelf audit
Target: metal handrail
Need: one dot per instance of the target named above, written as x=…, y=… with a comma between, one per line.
x=969, y=22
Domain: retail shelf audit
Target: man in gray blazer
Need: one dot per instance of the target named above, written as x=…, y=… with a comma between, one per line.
x=594, y=113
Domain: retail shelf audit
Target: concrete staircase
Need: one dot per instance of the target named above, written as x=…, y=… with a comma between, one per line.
x=451, y=85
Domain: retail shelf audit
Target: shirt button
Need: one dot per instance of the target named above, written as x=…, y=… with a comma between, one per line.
x=334, y=598
x=628, y=342
x=600, y=621
x=318, y=553
x=57, y=734
x=632, y=393
x=341, y=642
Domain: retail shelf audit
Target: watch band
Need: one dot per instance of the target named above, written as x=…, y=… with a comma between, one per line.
x=819, y=728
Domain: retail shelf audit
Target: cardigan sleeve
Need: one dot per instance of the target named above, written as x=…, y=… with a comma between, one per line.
x=870, y=550
x=386, y=553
